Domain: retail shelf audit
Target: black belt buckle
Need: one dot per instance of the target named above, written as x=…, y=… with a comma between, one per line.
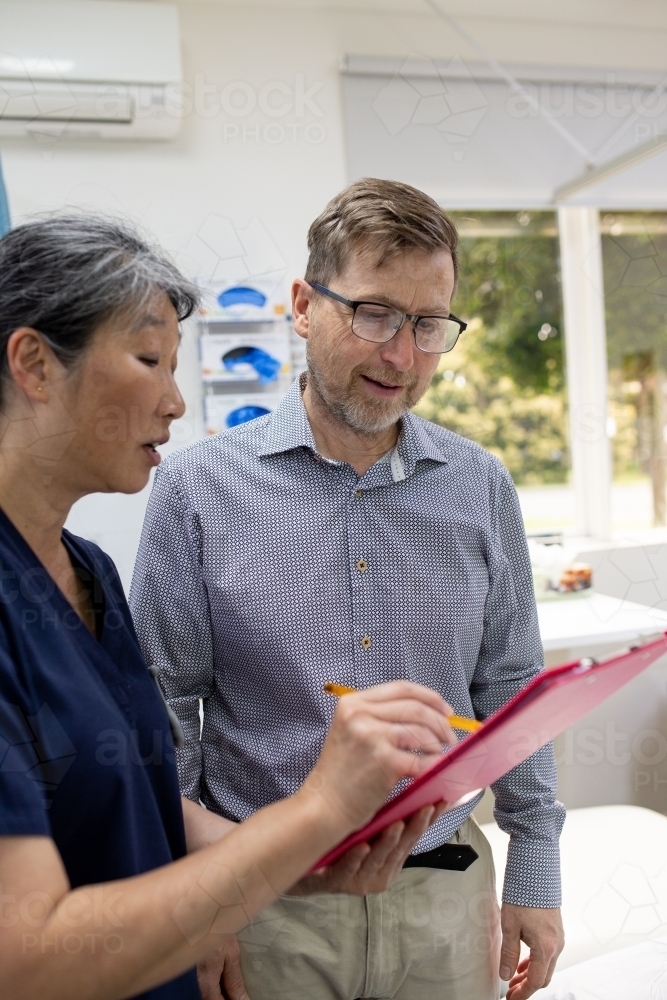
x=448, y=857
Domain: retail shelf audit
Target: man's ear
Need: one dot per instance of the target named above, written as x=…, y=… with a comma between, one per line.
x=301, y=306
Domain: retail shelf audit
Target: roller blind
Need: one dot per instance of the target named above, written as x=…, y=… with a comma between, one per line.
x=467, y=137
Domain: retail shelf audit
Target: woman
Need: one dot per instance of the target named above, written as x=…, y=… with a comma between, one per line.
x=99, y=896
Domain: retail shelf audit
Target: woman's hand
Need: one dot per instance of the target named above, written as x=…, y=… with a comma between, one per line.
x=377, y=737
x=369, y=868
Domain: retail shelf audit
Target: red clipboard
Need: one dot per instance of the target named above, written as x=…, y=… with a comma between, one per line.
x=548, y=704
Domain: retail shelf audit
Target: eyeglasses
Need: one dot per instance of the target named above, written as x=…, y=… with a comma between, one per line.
x=378, y=323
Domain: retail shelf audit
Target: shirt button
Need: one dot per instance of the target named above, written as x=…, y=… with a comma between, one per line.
x=366, y=642
x=361, y=565
x=358, y=493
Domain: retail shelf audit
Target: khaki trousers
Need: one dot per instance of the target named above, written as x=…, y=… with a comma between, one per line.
x=433, y=935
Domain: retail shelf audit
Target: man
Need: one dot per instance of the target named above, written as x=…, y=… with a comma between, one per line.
x=344, y=539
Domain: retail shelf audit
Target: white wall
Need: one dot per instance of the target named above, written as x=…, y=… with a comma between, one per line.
x=244, y=168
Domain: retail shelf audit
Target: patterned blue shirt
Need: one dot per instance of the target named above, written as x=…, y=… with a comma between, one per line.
x=265, y=570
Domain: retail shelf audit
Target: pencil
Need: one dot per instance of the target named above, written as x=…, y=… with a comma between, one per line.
x=455, y=721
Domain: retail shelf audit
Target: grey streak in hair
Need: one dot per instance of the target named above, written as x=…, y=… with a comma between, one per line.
x=65, y=275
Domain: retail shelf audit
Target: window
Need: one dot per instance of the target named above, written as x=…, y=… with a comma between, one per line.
x=503, y=385
x=634, y=254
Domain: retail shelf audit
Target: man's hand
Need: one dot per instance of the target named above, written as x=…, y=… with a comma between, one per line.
x=369, y=868
x=219, y=975
x=542, y=930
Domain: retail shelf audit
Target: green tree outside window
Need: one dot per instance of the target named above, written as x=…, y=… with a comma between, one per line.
x=503, y=384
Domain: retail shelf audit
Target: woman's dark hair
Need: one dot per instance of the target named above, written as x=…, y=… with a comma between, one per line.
x=66, y=274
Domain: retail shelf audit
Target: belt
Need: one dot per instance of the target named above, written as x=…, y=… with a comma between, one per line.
x=449, y=857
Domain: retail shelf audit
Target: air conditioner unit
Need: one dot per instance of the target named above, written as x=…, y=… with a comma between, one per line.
x=89, y=69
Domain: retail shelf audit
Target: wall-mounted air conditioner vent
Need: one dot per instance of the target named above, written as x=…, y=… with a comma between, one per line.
x=106, y=69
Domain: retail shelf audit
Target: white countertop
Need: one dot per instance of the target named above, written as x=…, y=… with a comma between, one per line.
x=596, y=619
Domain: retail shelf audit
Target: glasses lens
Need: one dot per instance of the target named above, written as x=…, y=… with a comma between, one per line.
x=378, y=323
x=436, y=335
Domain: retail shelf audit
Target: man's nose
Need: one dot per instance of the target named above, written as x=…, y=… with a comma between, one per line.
x=399, y=351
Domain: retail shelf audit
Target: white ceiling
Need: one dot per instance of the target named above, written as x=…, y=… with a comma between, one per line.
x=632, y=14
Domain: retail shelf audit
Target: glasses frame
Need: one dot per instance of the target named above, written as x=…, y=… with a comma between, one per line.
x=354, y=304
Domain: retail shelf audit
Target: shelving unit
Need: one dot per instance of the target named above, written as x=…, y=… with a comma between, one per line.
x=248, y=351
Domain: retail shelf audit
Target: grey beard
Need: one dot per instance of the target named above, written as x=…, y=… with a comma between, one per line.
x=346, y=410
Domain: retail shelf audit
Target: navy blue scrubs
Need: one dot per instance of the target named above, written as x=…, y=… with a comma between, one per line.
x=86, y=752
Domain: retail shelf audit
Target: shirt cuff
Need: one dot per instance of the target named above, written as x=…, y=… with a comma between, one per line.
x=189, y=768
x=532, y=874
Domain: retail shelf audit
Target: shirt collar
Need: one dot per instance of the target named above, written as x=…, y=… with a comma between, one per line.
x=288, y=428
x=418, y=442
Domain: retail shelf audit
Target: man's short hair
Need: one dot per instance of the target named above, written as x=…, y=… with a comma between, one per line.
x=379, y=217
